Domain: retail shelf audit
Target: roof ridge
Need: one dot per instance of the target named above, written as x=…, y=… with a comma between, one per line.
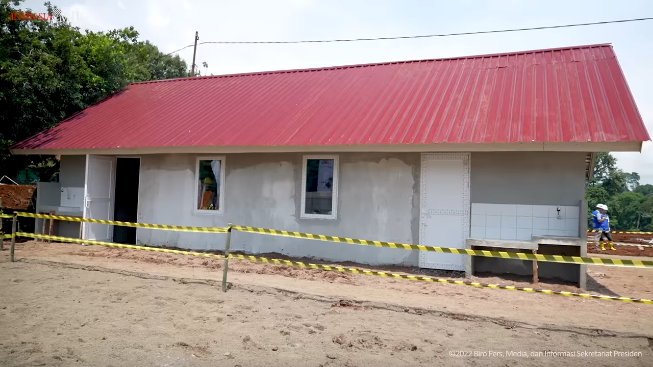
x=351, y=66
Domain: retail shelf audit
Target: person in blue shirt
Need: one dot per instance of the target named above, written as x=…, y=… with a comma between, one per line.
x=601, y=225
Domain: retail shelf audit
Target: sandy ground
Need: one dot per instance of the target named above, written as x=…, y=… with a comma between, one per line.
x=622, y=250
x=65, y=304
x=641, y=238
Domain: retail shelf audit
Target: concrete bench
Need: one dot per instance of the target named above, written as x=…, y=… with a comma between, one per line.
x=499, y=245
x=549, y=245
x=568, y=246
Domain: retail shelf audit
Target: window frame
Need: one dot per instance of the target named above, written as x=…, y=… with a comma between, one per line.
x=221, y=195
x=336, y=178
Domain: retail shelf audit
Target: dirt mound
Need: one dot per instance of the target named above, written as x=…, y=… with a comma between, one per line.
x=17, y=197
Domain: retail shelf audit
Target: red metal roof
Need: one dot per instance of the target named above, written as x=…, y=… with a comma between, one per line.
x=574, y=94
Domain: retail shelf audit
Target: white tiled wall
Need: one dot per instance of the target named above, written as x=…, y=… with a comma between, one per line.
x=520, y=222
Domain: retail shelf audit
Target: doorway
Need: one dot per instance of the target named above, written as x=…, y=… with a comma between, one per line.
x=444, y=204
x=126, y=199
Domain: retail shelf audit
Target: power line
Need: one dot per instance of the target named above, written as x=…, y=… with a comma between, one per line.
x=422, y=36
x=183, y=48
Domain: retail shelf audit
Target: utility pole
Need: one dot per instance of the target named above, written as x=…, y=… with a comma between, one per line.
x=192, y=68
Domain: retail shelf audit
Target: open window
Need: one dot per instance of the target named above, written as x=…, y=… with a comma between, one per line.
x=320, y=187
x=209, y=185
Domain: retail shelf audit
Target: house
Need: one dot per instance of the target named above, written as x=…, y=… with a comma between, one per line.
x=430, y=152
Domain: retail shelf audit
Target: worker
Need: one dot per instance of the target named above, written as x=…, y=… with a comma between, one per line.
x=601, y=225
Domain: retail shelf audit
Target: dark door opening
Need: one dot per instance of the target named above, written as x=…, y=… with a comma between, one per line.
x=126, y=199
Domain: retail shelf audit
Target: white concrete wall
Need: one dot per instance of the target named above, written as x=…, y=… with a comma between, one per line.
x=377, y=200
x=72, y=171
x=529, y=178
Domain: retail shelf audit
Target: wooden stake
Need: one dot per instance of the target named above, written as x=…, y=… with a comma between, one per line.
x=226, y=259
x=13, y=238
x=2, y=240
x=535, y=277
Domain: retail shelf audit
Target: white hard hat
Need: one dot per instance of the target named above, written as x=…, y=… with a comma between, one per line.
x=602, y=206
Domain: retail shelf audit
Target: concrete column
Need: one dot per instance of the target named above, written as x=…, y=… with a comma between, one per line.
x=582, y=223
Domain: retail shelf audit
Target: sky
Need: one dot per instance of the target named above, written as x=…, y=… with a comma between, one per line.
x=171, y=24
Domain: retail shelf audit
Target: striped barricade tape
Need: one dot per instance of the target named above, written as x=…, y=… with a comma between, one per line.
x=6, y=216
x=128, y=224
x=619, y=232
x=432, y=280
x=117, y=245
x=483, y=253
x=337, y=268
x=7, y=235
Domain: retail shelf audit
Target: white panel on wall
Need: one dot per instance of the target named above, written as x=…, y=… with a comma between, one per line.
x=508, y=233
x=521, y=222
x=540, y=211
x=524, y=210
x=492, y=233
x=571, y=212
x=508, y=221
x=477, y=232
x=525, y=222
x=493, y=221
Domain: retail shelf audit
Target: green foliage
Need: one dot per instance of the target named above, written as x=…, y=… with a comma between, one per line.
x=49, y=70
x=630, y=204
x=645, y=190
x=604, y=164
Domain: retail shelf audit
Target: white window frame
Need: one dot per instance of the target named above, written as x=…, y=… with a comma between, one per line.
x=223, y=165
x=334, y=202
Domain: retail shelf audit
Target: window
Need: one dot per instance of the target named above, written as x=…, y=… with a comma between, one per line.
x=209, y=185
x=320, y=187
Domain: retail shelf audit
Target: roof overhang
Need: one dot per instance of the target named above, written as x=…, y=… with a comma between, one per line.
x=634, y=146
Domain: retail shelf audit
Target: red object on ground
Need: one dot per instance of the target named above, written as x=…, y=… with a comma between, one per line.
x=574, y=94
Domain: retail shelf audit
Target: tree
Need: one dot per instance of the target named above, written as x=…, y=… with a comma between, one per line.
x=625, y=208
x=604, y=165
x=630, y=204
x=632, y=180
x=615, y=183
x=596, y=195
x=50, y=70
x=608, y=175
x=646, y=211
x=645, y=190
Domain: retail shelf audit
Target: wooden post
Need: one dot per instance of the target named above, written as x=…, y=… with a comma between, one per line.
x=192, y=67
x=50, y=228
x=2, y=240
x=226, y=259
x=43, y=229
x=535, y=277
x=13, y=238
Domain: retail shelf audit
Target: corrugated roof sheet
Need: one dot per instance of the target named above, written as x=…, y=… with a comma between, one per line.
x=575, y=94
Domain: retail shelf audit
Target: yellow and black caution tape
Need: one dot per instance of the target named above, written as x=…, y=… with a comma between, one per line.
x=433, y=280
x=620, y=232
x=128, y=224
x=6, y=216
x=337, y=268
x=484, y=253
x=117, y=245
x=5, y=235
